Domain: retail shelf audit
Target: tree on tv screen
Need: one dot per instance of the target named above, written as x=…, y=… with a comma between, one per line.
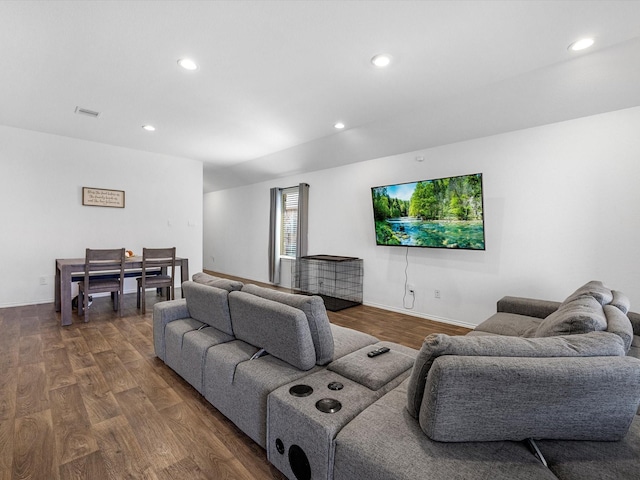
x=385, y=206
x=457, y=198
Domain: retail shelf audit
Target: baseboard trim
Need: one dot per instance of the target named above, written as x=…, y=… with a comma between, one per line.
x=41, y=301
x=426, y=316
x=24, y=304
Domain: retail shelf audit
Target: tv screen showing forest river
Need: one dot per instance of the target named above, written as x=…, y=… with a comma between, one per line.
x=440, y=213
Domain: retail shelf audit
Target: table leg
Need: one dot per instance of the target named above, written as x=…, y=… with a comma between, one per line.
x=65, y=296
x=184, y=273
x=57, y=289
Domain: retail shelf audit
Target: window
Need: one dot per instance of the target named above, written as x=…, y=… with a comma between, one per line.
x=289, y=226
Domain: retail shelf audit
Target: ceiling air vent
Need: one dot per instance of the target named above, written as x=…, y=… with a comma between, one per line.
x=87, y=112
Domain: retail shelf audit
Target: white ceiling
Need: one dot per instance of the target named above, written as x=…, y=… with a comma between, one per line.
x=276, y=75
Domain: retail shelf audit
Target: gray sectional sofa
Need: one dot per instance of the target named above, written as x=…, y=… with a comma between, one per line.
x=539, y=390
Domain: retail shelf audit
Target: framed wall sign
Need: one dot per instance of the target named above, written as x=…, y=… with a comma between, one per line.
x=101, y=197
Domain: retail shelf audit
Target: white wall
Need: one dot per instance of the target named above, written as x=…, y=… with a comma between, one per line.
x=561, y=208
x=41, y=180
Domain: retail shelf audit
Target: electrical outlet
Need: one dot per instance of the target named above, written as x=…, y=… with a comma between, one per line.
x=411, y=288
x=436, y=293
x=43, y=280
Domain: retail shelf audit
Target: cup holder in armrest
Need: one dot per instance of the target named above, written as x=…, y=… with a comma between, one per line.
x=335, y=386
x=328, y=405
x=301, y=390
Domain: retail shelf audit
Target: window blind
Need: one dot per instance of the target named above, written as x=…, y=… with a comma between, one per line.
x=289, y=222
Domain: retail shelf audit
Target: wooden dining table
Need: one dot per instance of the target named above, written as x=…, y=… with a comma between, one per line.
x=69, y=270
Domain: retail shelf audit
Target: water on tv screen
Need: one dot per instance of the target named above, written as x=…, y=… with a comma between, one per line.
x=439, y=213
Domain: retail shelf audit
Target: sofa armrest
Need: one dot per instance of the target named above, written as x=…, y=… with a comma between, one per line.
x=527, y=306
x=163, y=313
x=471, y=398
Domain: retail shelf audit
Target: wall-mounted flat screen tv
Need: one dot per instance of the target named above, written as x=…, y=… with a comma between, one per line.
x=439, y=213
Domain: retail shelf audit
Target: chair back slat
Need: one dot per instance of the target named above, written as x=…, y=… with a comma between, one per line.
x=158, y=257
x=105, y=259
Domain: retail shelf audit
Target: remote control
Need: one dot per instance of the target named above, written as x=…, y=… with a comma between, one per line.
x=379, y=351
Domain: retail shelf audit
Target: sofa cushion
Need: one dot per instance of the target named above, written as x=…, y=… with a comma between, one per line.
x=283, y=331
x=238, y=387
x=530, y=307
x=618, y=323
x=621, y=301
x=385, y=442
x=315, y=311
x=593, y=289
x=208, y=305
x=374, y=372
x=583, y=314
x=163, y=314
x=590, y=344
x=510, y=324
x=347, y=340
x=174, y=337
x=195, y=345
x=634, y=318
x=580, y=460
x=210, y=280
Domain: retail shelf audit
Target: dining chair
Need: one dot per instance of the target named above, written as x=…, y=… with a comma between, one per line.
x=155, y=273
x=103, y=272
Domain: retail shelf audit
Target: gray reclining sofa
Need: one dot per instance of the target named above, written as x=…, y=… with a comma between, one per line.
x=236, y=344
x=537, y=382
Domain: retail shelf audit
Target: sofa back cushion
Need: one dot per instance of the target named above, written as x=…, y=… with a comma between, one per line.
x=436, y=345
x=592, y=307
x=621, y=301
x=593, y=289
x=490, y=388
x=315, y=312
x=477, y=399
x=619, y=323
x=634, y=318
x=208, y=305
x=210, y=280
x=581, y=315
x=282, y=330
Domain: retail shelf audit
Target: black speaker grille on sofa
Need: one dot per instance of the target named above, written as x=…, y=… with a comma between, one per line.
x=299, y=463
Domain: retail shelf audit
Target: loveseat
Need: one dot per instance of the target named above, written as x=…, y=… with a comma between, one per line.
x=493, y=404
x=535, y=370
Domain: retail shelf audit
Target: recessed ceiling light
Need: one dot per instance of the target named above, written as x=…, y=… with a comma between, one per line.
x=581, y=44
x=188, y=64
x=149, y=128
x=381, y=60
x=339, y=125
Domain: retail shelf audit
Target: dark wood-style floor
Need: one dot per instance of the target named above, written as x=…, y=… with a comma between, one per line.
x=91, y=400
